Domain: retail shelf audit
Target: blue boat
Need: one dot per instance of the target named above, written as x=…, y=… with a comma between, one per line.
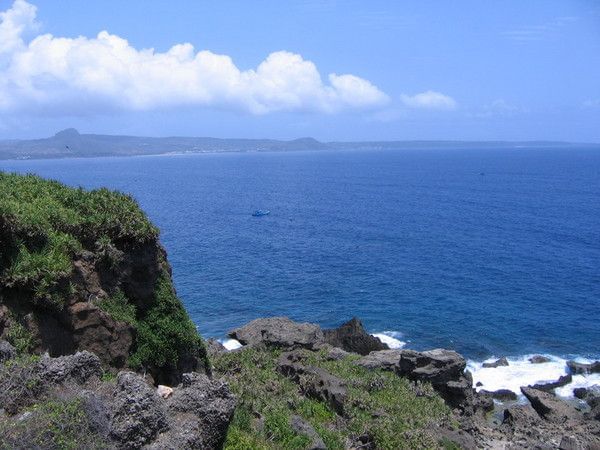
x=260, y=213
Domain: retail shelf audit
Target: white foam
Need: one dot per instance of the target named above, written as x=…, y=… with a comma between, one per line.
x=521, y=372
x=390, y=338
x=231, y=344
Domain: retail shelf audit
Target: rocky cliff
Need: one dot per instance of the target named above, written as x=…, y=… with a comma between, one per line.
x=84, y=270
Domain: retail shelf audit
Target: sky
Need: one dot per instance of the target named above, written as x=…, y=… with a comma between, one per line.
x=333, y=70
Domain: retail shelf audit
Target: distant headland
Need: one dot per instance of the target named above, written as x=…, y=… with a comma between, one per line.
x=70, y=143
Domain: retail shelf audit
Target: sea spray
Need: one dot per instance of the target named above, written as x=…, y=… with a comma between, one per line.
x=521, y=372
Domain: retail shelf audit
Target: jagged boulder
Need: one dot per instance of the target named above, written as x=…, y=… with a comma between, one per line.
x=7, y=351
x=138, y=413
x=314, y=382
x=214, y=347
x=301, y=426
x=521, y=417
x=205, y=408
x=562, y=381
x=539, y=359
x=79, y=367
x=353, y=337
x=502, y=362
x=500, y=394
x=444, y=369
x=583, y=368
x=279, y=332
x=383, y=359
x=549, y=407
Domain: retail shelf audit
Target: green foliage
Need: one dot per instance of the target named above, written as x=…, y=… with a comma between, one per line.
x=19, y=337
x=44, y=223
x=108, y=376
x=379, y=403
x=166, y=331
x=54, y=424
x=119, y=307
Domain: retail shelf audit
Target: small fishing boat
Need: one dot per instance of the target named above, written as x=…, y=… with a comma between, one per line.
x=260, y=213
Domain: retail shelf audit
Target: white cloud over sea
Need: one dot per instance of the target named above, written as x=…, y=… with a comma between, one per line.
x=429, y=100
x=54, y=75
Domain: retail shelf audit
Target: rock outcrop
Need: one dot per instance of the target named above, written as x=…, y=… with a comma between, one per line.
x=315, y=382
x=105, y=283
x=353, y=337
x=444, y=369
x=498, y=363
x=577, y=368
x=279, y=332
x=127, y=413
x=549, y=407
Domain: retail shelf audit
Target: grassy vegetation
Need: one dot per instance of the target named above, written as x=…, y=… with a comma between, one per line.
x=119, y=308
x=54, y=424
x=380, y=404
x=166, y=331
x=19, y=337
x=44, y=225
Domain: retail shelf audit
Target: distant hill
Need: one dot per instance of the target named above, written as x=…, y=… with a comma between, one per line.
x=70, y=143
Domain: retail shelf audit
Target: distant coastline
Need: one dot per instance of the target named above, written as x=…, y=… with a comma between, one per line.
x=71, y=144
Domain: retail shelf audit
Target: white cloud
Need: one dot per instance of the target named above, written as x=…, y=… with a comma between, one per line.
x=55, y=74
x=430, y=100
x=591, y=103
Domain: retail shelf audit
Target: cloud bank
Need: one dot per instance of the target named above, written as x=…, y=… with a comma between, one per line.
x=54, y=75
x=429, y=100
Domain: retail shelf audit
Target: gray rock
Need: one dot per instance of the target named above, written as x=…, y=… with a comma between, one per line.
x=300, y=426
x=352, y=337
x=383, y=359
x=498, y=363
x=7, y=351
x=549, y=407
x=79, y=367
x=582, y=368
x=539, y=359
x=460, y=438
x=138, y=413
x=500, y=394
x=569, y=443
x=314, y=382
x=435, y=366
x=279, y=332
x=444, y=369
x=200, y=411
x=335, y=354
x=562, y=381
x=580, y=393
x=483, y=402
x=521, y=417
x=214, y=347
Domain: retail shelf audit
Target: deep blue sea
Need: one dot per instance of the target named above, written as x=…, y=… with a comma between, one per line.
x=489, y=252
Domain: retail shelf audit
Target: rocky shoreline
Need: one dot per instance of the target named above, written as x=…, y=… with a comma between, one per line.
x=129, y=411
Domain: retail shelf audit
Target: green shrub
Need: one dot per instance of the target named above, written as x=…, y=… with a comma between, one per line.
x=43, y=224
x=19, y=337
x=379, y=403
x=54, y=424
x=165, y=332
x=119, y=307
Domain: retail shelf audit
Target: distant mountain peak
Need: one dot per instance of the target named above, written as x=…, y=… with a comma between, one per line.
x=68, y=133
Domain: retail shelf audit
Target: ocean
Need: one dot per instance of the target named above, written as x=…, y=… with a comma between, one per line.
x=488, y=252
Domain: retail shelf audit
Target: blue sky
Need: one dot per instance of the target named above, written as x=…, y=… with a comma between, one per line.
x=468, y=70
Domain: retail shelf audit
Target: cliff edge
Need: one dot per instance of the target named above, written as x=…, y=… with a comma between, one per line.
x=84, y=270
